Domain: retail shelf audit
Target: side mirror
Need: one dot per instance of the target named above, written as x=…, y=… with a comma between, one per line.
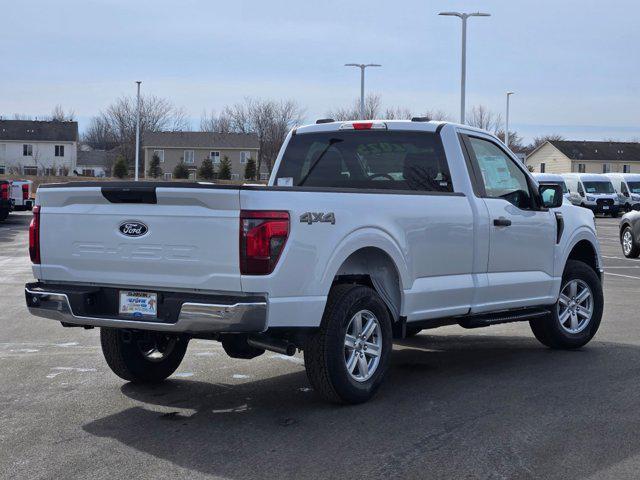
x=581, y=194
x=551, y=195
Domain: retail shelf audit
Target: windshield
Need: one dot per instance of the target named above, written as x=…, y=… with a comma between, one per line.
x=598, y=187
x=634, y=187
x=393, y=160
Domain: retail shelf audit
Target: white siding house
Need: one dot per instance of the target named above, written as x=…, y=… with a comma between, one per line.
x=38, y=148
x=565, y=156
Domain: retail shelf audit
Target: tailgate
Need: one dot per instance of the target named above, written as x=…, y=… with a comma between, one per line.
x=173, y=237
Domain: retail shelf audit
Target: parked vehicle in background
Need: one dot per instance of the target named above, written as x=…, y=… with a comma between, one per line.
x=5, y=199
x=593, y=191
x=552, y=178
x=630, y=234
x=627, y=186
x=367, y=231
x=21, y=194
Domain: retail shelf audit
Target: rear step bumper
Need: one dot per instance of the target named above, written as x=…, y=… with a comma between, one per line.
x=230, y=314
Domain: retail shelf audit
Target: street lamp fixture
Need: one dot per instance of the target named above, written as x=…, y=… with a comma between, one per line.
x=463, y=80
x=506, y=130
x=362, y=67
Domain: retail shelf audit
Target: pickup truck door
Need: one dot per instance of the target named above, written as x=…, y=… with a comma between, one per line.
x=522, y=236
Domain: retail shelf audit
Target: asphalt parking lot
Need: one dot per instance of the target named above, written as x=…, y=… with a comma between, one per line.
x=486, y=403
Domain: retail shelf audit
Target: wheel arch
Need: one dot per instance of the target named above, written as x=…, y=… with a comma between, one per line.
x=371, y=258
x=584, y=250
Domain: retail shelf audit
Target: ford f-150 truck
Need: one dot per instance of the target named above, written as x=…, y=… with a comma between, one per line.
x=367, y=231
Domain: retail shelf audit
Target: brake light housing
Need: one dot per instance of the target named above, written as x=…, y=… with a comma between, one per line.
x=34, y=236
x=4, y=191
x=25, y=191
x=263, y=236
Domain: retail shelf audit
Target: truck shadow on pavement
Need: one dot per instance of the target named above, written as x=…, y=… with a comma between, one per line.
x=469, y=406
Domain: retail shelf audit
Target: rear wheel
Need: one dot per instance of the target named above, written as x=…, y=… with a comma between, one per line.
x=575, y=318
x=346, y=360
x=142, y=357
x=629, y=245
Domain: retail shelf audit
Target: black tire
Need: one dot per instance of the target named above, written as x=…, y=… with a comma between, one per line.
x=412, y=331
x=123, y=351
x=324, y=352
x=634, y=252
x=549, y=331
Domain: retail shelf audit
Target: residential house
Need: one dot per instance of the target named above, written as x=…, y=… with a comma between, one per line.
x=563, y=156
x=95, y=163
x=32, y=147
x=194, y=147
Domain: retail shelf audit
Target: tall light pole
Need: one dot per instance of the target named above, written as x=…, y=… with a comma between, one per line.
x=137, y=130
x=506, y=130
x=362, y=67
x=463, y=80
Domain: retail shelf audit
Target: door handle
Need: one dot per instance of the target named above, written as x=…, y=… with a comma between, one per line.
x=502, y=222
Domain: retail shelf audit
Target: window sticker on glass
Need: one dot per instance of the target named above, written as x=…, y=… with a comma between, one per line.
x=285, y=182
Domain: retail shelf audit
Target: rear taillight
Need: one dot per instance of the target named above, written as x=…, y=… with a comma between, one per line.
x=34, y=235
x=25, y=192
x=4, y=191
x=263, y=234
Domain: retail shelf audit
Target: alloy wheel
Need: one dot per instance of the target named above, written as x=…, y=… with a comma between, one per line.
x=362, y=345
x=575, y=306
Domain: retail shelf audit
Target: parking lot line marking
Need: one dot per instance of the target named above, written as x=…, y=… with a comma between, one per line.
x=620, y=258
x=620, y=275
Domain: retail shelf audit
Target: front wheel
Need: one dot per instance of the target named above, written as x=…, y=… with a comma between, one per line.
x=142, y=357
x=629, y=245
x=346, y=360
x=575, y=317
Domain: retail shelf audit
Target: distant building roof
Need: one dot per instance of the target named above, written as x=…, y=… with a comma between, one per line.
x=96, y=158
x=585, y=150
x=200, y=140
x=35, y=130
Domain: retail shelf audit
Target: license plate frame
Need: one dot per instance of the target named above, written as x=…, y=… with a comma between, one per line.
x=605, y=207
x=138, y=304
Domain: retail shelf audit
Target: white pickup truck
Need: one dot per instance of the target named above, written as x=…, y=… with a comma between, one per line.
x=367, y=231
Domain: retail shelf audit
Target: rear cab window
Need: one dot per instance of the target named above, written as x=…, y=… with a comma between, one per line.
x=355, y=159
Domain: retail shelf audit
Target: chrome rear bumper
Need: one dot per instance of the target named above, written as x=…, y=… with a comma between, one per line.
x=194, y=317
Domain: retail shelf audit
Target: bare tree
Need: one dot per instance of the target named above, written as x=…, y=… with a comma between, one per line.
x=397, y=113
x=99, y=135
x=210, y=122
x=516, y=142
x=119, y=120
x=22, y=116
x=482, y=117
x=59, y=115
x=537, y=141
x=437, y=115
x=271, y=120
x=372, y=107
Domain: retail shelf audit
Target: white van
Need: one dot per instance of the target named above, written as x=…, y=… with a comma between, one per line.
x=627, y=186
x=555, y=179
x=592, y=191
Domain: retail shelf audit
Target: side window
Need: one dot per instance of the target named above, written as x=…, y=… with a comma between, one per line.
x=580, y=189
x=623, y=189
x=501, y=176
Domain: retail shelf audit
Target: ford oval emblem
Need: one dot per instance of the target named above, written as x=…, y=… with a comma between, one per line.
x=133, y=229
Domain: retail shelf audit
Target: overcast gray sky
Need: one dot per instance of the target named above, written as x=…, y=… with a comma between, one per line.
x=574, y=65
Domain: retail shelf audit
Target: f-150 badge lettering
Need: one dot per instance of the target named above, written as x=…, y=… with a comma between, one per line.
x=314, y=217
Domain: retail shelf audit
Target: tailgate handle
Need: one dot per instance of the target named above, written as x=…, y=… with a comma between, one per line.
x=130, y=194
